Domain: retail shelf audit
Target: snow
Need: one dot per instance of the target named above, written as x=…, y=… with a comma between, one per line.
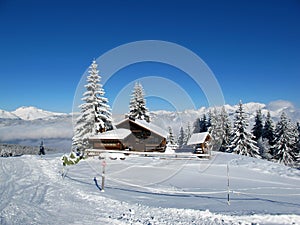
x=148, y=190
x=197, y=138
x=33, y=113
x=119, y=134
x=154, y=128
x=7, y=115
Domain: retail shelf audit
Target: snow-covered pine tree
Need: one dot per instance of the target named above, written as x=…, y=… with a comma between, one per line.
x=181, y=137
x=188, y=134
x=264, y=148
x=268, y=129
x=216, y=130
x=226, y=127
x=208, y=123
x=203, y=124
x=196, y=126
x=298, y=146
x=171, y=138
x=95, y=113
x=286, y=137
x=298, y=129
x=242, y=142
x=257, y=129
x=137, y=106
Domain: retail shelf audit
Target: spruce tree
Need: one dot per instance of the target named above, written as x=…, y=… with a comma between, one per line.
x=137, y=107
x=286, y=137
x=242, y=142
x=188, y=134
x=196, y=126
x=181, y=138
x=95, y=113
x=298, y=144
x=208, y=123
x=257, y=129
x=226, y=128
x=216, y=130
x=171, y=138
x=203, y=124
x=268, y=129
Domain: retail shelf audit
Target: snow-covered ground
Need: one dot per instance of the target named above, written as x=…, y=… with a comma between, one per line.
x=148, y=190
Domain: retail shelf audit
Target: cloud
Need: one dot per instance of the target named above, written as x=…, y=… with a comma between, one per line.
x=280, y=104
x=39, y=129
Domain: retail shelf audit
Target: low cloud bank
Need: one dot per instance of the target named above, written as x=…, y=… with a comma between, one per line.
x=58, y=129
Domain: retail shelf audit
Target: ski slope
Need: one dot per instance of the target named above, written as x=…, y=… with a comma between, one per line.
x=148, y=190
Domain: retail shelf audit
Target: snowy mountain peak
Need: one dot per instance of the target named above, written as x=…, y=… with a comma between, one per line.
x=33, y=113
x=7, y=115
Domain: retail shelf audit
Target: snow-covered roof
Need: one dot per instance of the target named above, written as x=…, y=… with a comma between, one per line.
x=150, y=126
x=197, y=138
x=118, y=134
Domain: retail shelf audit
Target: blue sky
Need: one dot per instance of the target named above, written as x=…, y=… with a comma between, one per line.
x=252, y=47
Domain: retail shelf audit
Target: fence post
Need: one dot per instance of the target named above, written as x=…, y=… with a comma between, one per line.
x=103, y=175
x=228, y=188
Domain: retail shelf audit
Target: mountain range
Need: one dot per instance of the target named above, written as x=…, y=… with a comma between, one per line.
x=30, y=125
x=29, y=113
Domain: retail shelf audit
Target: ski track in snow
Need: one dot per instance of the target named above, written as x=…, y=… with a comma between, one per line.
x=33, y=192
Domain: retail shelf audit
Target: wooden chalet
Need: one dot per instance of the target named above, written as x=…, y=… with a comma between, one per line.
x=144, y=136
x=135, y=135
x=110, y=140
x=200, y=142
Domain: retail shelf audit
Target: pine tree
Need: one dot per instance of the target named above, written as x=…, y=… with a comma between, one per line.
x=220, y=129
x=196, y=126
x=181, y=138
x=216, y=130
x=95, y=113
x=298, y=146
x=268, y=130
x=298, y=142
x=226, y=127
x=298, y=129
x=188, y=134
x=171, y=138
x=257, y=129
x=203, y=124
x=286, y=137
x=137, y=107
x=208, y=123
x=264, y=148
x=242, y=142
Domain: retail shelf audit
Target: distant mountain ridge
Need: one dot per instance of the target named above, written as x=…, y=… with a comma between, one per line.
x=28, y=113
x=7, y=115
x=30, y=125
x=276, y=108
x=180, y=119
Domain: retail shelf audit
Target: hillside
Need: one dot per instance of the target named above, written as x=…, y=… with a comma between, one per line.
x=146, y=190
